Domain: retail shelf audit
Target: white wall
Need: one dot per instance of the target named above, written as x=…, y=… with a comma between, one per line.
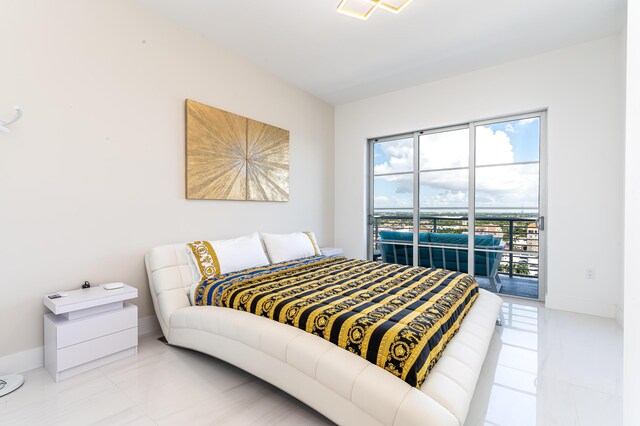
x=619, y=314
x=582, y=88
x=632, y=213
x=93, y=175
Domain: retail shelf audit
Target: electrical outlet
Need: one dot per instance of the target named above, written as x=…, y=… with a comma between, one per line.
x=590, y=274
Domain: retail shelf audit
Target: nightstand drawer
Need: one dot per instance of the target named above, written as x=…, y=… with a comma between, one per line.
x=70, y=333
x=81, y=353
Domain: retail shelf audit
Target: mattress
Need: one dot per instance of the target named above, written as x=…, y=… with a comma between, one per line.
x=395, y=316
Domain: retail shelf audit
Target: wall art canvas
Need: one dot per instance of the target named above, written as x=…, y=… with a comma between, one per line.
x=230, y=157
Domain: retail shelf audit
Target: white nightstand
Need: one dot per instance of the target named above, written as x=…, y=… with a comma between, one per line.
x=89, y=328
x=331, y=251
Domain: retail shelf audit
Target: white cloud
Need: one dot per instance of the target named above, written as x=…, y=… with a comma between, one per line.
x=398, y=157
x=508, y=186
x=404, y=187
x=444, y=150
x=493, y=148
x=509, y=128
x=402, y=202
x=451, y=180
x=526, y=121
x=393, y=202
x=450, y=198
x=407, y=178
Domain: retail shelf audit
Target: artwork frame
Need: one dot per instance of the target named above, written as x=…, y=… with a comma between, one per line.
x=230, y=157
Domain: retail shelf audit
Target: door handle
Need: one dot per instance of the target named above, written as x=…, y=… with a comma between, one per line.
x=540, y=223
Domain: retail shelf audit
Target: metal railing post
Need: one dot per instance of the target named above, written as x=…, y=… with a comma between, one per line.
x=376, y=232
x=510, y=248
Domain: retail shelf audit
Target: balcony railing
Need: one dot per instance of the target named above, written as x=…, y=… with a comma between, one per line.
x=520, y=235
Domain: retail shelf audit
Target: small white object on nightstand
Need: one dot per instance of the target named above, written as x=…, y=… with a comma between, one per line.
x=331, y=251
x=112, y=286
x=89, y=328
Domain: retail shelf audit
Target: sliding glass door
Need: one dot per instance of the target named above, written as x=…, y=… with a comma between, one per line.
x=507, y=204
x=391, y=199
x=444, y=198
x=437, y=195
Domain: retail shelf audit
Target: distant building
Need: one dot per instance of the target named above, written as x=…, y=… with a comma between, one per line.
x=532, y=236
x=495, y=230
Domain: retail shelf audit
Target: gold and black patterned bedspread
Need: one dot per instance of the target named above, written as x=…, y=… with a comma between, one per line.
x=395, y=316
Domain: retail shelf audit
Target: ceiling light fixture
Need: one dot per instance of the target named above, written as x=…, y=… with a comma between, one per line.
x=363, y=9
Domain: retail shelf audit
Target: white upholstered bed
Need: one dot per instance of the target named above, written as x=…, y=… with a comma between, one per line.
x=344, y=387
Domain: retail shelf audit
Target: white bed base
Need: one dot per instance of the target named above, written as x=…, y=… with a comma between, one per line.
x=342, y=386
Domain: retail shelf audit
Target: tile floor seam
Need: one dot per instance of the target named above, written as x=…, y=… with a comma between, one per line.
x=592, y=390
x=135, y=404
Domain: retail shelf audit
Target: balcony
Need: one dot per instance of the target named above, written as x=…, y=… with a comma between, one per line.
x=518, y=269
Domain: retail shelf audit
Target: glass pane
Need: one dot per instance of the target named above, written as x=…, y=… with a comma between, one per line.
x=507, y=193
x=393, y=218
x=393, y=191
x=444, y=150
x=444, y=189
x=444, y=239
x=508, y=142
x=512, y=265
x=393, y=236
x=514, y=186
x=393, y=156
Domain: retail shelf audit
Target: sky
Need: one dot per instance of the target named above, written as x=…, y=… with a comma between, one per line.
x=503, y=182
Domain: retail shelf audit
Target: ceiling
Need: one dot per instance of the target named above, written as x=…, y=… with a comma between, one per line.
x=341, y=59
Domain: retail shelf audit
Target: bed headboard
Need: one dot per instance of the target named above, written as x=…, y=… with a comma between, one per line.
x=169, y=281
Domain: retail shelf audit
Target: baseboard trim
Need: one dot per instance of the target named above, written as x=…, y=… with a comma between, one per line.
x=148, y=325
x=22, y=361
x=580, y=306
x=31, y=359
x=619, y=315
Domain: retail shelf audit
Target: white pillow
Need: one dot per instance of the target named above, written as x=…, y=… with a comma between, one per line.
x=283, y=247
x=211, y=258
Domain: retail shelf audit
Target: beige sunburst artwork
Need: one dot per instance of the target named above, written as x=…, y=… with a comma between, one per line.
x=230, y=157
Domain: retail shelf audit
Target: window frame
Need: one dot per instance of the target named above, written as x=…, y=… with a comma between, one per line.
x=541, y=114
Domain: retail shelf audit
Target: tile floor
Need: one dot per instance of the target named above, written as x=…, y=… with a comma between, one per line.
x=548, y=367
x=514, y=286
x=544, y=367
